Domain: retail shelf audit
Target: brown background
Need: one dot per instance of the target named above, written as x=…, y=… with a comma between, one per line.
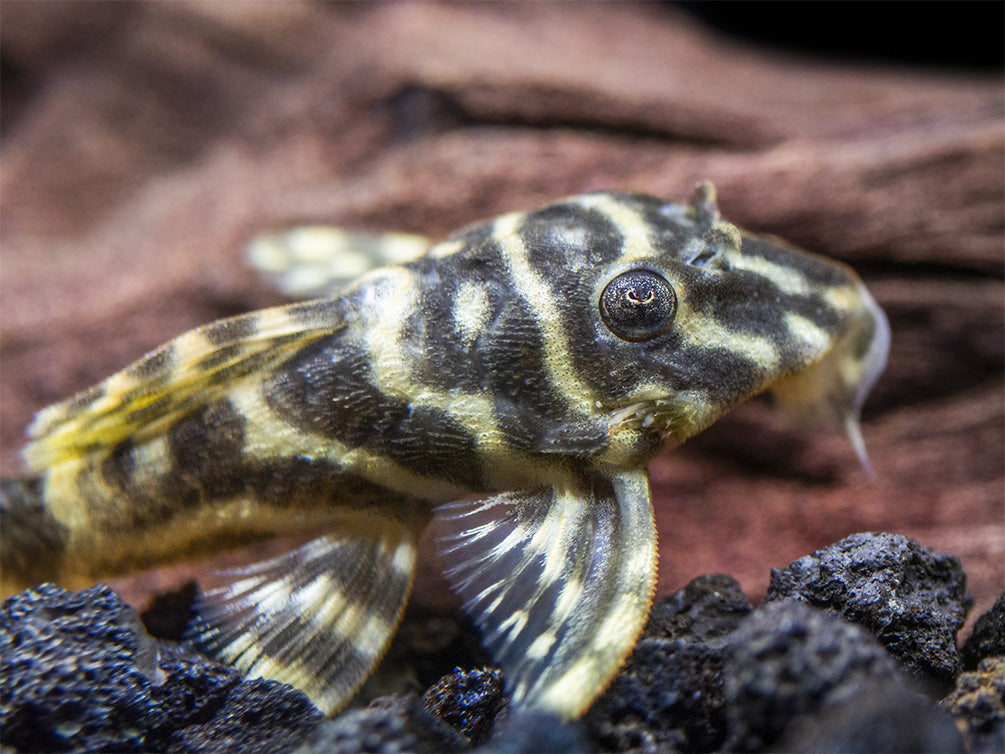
x=143, y=146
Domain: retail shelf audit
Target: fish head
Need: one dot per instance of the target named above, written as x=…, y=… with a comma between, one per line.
x=683, y=316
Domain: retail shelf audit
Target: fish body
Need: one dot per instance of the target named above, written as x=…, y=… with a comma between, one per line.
x=508, y=384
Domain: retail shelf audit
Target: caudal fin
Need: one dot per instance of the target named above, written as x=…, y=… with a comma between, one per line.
x=32, y=542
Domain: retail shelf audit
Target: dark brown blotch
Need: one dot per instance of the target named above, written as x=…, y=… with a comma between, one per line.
x=314, y=314
x=117, y=468
x=325, y=390
x=153, y=410
x=217, y=358
x=154, y=364
x=230, y=330
x=32, y=542
x=81, y=401
x=432, y=444
x=546, y=234
x=207, y=448
x=511, y=360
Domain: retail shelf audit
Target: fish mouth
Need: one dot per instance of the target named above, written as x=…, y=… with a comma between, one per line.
x=675, y=419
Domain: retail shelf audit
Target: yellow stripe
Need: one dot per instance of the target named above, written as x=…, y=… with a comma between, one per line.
x=470, y=310
x=705, y=332
x=446, y=249
x=577, y=683
x=151, y=462
x=802, y=329
x=267, y=438
x=845, y=298
x=539, y=297
x=630, y=223
x=787, y=279
x=391, y=373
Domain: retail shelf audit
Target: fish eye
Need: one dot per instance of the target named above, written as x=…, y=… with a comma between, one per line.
x=638, y=305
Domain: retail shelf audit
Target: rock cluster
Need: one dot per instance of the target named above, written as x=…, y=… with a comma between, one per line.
x=849, y=652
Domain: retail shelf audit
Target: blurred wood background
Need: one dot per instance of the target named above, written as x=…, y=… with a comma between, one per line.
x=144, y=144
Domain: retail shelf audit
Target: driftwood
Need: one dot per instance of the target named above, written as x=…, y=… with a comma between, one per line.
x=144, y=144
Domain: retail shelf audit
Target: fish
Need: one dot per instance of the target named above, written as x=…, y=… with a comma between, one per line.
x=507, y=386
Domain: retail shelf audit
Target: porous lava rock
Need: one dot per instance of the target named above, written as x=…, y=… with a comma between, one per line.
x=390, y=725
x=789, y=659
x=468, y=701
x=669, y=694
x=988, y=637
x=708, y=608
x=708, y=674
x=879, y=718
x=978, y=704
x=909, y=597
x=531, y=732
x=79, y=673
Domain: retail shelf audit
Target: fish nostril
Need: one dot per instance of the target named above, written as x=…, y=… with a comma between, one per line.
x=702, y=259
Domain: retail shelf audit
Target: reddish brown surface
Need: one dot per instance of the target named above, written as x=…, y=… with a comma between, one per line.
x=144, y=144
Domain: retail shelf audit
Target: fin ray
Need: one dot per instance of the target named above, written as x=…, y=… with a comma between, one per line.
x=558, y=580
x=189, y=371
x=319, y=617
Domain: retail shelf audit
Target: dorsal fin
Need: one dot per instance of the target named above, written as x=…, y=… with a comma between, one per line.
x=191, y=370
x=318, y=617
x=559, y=581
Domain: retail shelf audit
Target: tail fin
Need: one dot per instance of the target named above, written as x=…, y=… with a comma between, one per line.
x=32, y=542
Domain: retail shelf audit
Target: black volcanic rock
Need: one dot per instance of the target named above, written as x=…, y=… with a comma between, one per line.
x=910, y=597
x=669, y=694
x=390, y=725
x=468, y=701
x=789, y=659
x=978, y=704
x=988, y=637
x=80, y=673
x=76, y=672
x=880, y=718
x=708, y=608
x=532, y=732
x=668, y=697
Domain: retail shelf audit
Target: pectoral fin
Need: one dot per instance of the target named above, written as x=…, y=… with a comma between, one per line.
x=319, y=617
x=560, y=582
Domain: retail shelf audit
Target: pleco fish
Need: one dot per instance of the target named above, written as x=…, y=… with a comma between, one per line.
x=509, y=383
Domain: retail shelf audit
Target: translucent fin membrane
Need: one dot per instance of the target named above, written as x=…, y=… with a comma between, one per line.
x=559, y=581
x=319, y=617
